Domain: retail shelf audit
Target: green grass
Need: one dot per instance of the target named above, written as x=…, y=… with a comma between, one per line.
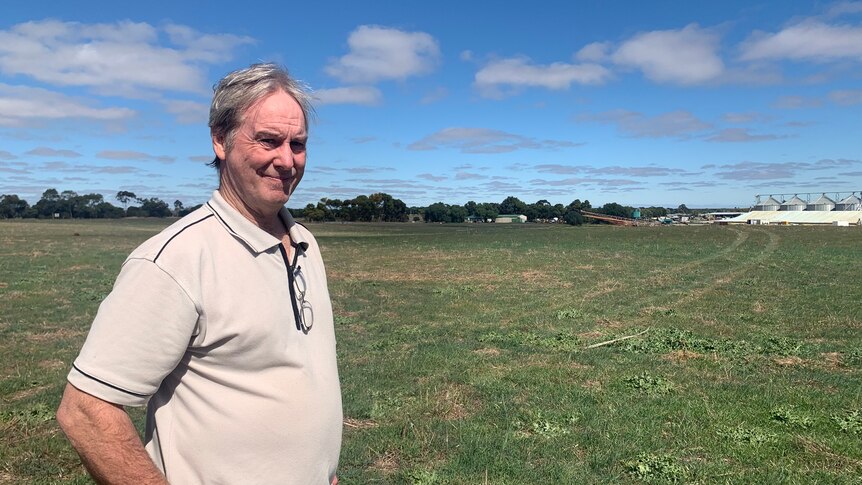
x=463, y=360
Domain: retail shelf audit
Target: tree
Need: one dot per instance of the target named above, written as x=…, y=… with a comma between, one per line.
x=573, y=218
x=437, y=212
x=178, y=206
x=124, y=197
x=12, y=206
x=154, y=207
x=488, y=210
x=614, y=209
x=314, y=213
x=49, y=204
x=512, y=205
x=682, y=209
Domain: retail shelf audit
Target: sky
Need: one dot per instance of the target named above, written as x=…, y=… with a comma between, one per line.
x=703, y=103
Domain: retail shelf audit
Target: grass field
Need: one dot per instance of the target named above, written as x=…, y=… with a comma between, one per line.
x=463, y=356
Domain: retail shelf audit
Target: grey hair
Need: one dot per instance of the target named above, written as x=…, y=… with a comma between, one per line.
x=240, y=89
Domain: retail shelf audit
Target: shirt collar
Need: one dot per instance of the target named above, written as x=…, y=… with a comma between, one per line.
x=254, y=237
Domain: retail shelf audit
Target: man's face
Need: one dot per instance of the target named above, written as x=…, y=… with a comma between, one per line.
x=267, y=158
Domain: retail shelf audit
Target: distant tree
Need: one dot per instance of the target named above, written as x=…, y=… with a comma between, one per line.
x=653, y=211
x=682, y=209
x=106, y=210
x=471, y=207
x=178, y=206
x=512, y=205
x=48, y=205
x=456, y=213
x=578, y=205
x=154, y=207
x=437, y=212
x=12, y=206
x=614, y=209
x=573, y=218
x=188, y=210
x=333, y=206
x=315, y=213
x=487, y=210
x=124, y=197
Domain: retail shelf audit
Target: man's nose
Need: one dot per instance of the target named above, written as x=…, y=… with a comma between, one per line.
x=285, y=157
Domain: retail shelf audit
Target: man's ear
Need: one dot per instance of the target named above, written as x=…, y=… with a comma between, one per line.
x=218, y=147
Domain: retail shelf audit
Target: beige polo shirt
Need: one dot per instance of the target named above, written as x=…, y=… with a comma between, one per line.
x=200, y=326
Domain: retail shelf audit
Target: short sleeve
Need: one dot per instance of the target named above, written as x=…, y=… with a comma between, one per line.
x=140, y=334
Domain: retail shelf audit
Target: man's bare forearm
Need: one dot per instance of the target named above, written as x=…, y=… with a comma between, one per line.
x=107, y=441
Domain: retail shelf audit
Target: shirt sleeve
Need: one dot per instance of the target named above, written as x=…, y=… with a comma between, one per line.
x=140, y=334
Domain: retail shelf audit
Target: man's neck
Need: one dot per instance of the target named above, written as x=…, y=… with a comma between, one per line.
x=271, y=223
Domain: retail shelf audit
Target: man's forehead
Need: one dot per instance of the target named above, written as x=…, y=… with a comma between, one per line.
x=275, y=112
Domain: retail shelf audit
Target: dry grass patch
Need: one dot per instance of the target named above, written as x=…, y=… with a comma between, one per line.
x=58, y=334
x=680, y=356
x=455, y=402
x=387, y=463
x=592, y=384
x=353, y=423
x=602, y=288
x=52, y=364
x=77, y=267
x=492, y=351
x=790, y=361
x=593, y=335
x=832, y=360
x=25, y=393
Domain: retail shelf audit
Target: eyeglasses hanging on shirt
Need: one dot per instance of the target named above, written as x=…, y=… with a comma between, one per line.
x=303, y=312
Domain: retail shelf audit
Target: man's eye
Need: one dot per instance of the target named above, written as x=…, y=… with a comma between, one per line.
x=269, y=142
x=297, y=146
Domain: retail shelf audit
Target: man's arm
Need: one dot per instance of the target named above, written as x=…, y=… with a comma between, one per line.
x=105, y=438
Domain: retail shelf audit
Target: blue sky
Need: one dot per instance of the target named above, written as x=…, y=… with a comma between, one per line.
x=642, y=103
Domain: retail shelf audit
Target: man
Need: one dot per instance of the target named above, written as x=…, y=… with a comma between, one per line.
x=221, y=324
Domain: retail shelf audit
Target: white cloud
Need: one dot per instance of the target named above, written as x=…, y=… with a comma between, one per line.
x=23, y=106
x=796, y=102
x=483, y=140
x=672, y=124
x=740, y=135
x=687, y=56
x=187, y=112
x=133, y=155
x=595, y=52
x=120, y=58
x=466, y=55
x=519, y=72
x=379, y=53
x=810, y=40
x=847, y=97
x=364, y=95
x=844, y=8
x=53, y=152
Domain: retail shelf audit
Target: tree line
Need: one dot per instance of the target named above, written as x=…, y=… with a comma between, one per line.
x=377, y=207
x=68, y=204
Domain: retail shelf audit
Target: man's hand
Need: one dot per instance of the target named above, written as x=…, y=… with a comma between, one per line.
x=107, y=441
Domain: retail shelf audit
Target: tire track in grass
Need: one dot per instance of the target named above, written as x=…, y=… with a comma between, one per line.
x=660, y=276
x=733, y=272
x=702, y=286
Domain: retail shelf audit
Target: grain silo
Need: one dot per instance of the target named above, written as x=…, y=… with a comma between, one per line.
x=794, y=204
x=849, y=203
x=769, y=204
x=822, y=203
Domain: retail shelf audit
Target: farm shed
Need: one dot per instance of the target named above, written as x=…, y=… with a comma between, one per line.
x=823, y=203
x=853, y=218
x=794, y=204
x=849, y=203
x=769, y=204
x=509, y=218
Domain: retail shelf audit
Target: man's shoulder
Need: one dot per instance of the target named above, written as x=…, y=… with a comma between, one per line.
x=190, y=232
